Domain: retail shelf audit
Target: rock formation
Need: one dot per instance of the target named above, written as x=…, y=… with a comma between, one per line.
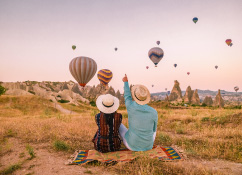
x=208, y=101
x=188, y=95
x=176, y=94
x=118, y=95
x=218, y=101
x=64, y=87
x=195, y=98
x=76, y=89
x=17, y=92
x=55, y=91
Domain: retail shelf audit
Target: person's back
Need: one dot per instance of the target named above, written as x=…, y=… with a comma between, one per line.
x=142, y=119
x=142, y=125
x=107, y=137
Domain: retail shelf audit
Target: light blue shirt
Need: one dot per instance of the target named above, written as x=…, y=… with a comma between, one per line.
x=142, y=123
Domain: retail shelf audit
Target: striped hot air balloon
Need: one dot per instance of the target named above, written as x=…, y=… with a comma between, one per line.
x=104, y=76
x=83, y=69
x=155, y=54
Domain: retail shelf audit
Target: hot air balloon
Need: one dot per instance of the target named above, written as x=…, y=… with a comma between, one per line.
x=236, y=88
x=104, y=76
x=73, y=47
x=157, y=42
x=216, y=67
x=83, y=69
x=188, y=73
x=175, y=65
x=152, y=85
x=228, y=41
x=155, y=54
x=231, y=44
x=147, y=67
x=168, y=92
x=115, y=48
x=166, y=89
x=195, y=19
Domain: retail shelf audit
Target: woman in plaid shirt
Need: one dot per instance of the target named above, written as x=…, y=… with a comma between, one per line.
x=107, y=137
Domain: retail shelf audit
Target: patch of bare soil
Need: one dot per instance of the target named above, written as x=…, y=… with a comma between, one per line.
x=47, y=161
x=220, y=166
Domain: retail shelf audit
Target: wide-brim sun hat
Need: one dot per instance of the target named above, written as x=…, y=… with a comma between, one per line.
x=140, y=94
x=107, y=103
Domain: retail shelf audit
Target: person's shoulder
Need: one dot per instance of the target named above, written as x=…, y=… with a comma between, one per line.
x=98, y=115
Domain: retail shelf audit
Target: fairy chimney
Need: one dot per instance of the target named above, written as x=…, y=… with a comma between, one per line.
x=188, y=95
x=118, y=95
x=176, y=94
x=64, y=86
x=195, y=98
x=218, y=101
x=76, y=89
x=208, y=101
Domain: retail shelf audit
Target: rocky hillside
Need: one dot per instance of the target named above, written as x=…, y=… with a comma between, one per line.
x=68, y=92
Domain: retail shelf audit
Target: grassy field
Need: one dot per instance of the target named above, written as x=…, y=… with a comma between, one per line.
x=203, y=134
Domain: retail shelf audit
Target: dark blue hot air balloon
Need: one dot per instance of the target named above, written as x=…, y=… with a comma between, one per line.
x=195, y=19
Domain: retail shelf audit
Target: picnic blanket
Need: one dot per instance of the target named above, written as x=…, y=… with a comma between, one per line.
x=162, y=153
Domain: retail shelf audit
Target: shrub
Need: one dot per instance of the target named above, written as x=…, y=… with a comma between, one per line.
x=92, y=103
x=11, y=169
x=60, y=145
x=31, y=152
x=63, y=101
x=2, y=90
x=32, y=92
x=205, y=119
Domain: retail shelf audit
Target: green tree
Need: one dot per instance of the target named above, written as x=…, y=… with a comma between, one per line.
x=2, y=90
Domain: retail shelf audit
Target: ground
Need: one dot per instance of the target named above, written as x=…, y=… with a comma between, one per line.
x=210, y=139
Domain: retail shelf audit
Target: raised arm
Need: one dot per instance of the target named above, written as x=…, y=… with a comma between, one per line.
x=127, y=93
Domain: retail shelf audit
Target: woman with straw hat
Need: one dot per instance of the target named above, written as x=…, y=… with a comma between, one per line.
x=142, y=118
x=107, y=137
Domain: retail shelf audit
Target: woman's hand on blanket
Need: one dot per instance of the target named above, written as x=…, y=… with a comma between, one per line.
x=125, y=79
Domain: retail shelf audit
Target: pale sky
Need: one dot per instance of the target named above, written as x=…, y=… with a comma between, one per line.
x=36, y=38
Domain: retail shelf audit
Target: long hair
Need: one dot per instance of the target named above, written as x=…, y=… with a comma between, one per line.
x=108, y=117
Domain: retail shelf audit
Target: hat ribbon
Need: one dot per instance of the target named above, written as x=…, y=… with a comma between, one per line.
x=138, y=98
x=107, y=106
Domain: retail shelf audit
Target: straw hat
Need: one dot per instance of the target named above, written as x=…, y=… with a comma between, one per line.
x=107, y=103
x=140, y=94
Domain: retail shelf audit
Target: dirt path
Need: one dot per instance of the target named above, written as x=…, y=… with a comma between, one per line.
x=47, y=161
x=63, y=110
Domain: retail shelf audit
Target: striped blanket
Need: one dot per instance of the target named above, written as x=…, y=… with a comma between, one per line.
x=162, y=153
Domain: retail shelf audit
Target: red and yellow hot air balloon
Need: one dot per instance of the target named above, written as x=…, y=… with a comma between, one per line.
x=104, y=76
x=83, y=69
x=228, y=41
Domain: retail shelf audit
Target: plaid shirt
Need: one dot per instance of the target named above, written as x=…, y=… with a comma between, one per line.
x=107, y=137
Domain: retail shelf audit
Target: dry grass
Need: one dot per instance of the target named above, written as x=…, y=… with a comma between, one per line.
x=201, y=132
